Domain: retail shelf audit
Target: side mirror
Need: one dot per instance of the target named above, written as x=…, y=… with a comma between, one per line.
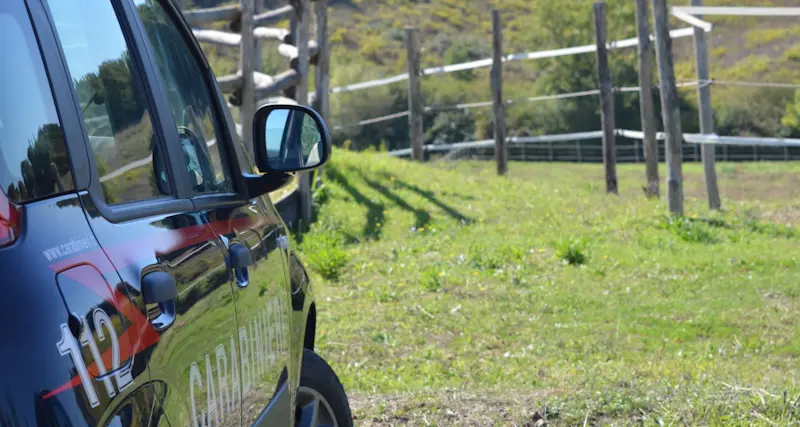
x=289, y=138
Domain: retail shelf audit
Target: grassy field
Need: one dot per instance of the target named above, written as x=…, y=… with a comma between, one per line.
x=449, y=296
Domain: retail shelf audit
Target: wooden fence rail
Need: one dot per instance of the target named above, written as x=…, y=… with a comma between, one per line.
x=247, y=26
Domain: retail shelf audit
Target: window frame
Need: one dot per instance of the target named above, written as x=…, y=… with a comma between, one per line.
x=162, y=121
x=76, y=137
x=226, y=128
x=59, y=85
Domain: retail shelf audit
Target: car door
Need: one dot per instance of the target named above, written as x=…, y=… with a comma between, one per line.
x=181, y=319
x=251, y=232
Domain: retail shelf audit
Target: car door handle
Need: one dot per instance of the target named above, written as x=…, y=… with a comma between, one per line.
x=240, y=260
x=159, y=287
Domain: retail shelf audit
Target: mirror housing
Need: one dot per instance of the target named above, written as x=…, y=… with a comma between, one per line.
x=289, y=138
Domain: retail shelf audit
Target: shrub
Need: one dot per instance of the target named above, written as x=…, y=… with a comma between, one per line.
x=430, y=279
x=485, y=258
x=572, y=252
x=688, y=229
x=324, y=251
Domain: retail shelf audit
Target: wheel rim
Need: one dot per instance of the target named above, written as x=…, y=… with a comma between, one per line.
x=314, y=410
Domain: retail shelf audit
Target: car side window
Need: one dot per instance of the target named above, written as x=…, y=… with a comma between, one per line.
x=33, y=157
x=190, y=100
x=128, y=156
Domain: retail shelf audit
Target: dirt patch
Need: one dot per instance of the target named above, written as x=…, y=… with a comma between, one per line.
x=452, y=407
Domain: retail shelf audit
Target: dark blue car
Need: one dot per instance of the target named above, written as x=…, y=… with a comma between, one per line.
x=147, y=279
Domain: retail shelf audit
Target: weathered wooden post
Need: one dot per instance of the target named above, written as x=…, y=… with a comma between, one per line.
x=646, y=106
x=258, y=63
x=246, y=68
x=415, y=109
x=500, y=147
x=303, y=19
x=321, y=74
x=606, y=99
x=706, y=114
x=670, y=110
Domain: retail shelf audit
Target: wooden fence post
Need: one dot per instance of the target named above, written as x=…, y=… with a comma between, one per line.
x=500, y=147
x=670, y=110
x=646, y=106
x=706, y=114
x=414, y=93
x=321, y=73
x=301, y=96
x=258, y=63
x=246, y=67
x=606, y=99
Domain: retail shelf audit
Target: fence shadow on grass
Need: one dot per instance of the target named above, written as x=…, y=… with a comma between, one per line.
x=431, y=197
x=421, y=217
x=375, y=210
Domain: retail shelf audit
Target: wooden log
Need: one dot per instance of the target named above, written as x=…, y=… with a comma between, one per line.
x=223, y=38
x=291, y=52
x=500, y=147
x=262, y=80
x=258, y=59
x=246, y=68
x=606, y=99
x=706, y=114
x=212, y=14
x=273, y=16
x=276, y=100
x=646, y=105
x=280, y=34
x=322, y=73
x=415, y=109
x=301, y=96
x=279, y=83
x=229, y=83
x=670, y=108
x=321, y=99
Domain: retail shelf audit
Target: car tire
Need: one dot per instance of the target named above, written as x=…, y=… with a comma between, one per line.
x=321, y=391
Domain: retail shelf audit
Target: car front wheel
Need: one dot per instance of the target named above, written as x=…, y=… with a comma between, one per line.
x=321, y=400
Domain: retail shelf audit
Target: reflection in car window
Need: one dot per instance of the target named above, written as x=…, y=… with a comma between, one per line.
x=310, y=141
x=115, y=111
x=34, y=158
x=189, y=99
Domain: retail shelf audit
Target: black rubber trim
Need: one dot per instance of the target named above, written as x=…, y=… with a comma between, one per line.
x=223, y=121
x=60, y=86
x=162, y=120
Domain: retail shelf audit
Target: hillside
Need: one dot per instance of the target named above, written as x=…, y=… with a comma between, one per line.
x=367, y=41
x=451, y=296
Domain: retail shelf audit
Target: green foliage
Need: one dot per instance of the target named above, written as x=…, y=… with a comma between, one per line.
x=572, y=251
x=687, y=229
x=324, y=252
x=791, y=119
x=757, y=38
x=792, y=54
x=431, y=279
x=668, y=319
x=465, y=49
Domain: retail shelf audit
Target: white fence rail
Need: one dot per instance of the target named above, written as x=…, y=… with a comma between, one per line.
x=482, y=63
x=551, y=142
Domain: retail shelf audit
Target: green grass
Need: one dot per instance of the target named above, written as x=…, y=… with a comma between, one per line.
x=462, y=298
